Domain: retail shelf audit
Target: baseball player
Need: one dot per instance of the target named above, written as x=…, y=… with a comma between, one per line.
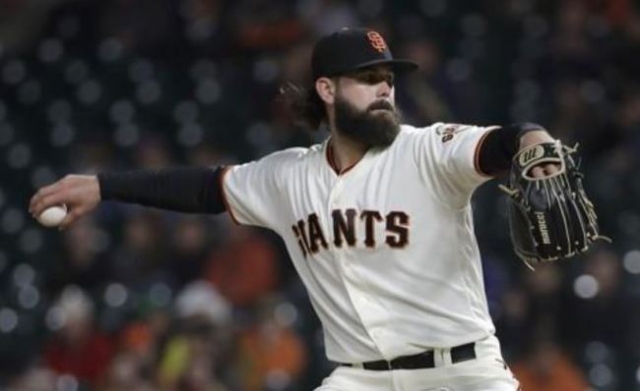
x=376, y=219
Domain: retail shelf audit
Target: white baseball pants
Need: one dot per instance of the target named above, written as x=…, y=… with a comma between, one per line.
x=487, y=372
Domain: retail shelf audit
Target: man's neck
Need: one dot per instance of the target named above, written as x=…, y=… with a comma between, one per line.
x=345, y=152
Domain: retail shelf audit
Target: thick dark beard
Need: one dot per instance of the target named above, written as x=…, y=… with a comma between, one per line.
x=373, y=131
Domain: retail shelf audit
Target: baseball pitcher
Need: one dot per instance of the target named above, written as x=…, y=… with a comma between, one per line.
x=378, y=222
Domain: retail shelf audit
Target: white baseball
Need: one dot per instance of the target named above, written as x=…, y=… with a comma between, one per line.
x=53, y=216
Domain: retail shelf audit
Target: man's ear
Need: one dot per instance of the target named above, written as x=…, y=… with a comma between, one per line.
x=326, y=89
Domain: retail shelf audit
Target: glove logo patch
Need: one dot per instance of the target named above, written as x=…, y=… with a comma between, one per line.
x=542, y=226
x=531, y=154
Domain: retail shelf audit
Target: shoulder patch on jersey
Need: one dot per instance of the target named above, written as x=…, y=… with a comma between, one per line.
x=448, y=131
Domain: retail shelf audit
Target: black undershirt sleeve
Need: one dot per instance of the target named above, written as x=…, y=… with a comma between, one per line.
x=183, y=189
x=499, y=147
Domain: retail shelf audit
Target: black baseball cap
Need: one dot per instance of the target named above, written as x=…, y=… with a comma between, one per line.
x=349, y=49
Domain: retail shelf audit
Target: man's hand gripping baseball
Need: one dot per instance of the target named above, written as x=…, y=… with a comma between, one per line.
x=80, y=193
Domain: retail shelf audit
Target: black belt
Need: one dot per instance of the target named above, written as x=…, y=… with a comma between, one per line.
x=421, y=360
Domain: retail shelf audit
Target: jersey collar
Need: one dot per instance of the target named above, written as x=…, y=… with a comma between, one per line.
x=331, y=160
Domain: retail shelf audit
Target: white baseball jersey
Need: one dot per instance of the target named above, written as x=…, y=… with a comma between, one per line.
x=385, y=249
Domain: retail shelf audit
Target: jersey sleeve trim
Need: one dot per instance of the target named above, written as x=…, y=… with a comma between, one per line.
x=476, y=155
x=225, y=200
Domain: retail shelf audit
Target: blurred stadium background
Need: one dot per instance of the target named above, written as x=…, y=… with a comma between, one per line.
x=137, y=299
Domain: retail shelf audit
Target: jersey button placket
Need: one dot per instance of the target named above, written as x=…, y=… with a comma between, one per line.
x=334, y=196
x=334, y=203
x=362, y=302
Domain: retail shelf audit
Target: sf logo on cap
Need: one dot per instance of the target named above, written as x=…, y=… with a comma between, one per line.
x=377, y=42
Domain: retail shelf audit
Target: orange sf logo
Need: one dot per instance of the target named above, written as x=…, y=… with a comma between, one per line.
x=377, y=42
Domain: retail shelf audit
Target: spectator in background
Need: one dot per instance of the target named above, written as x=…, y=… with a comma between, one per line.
x=544, y=287
x=142, y=337
x=571, y=112
x=598, y=312
x=512, y=324
x=142, y=256
x=190, y=246
x=626, y=47
x=203, y=22
x=83, y=259
x=530, y=307
x=626, y=126
x=21, y=21
x=153, y=152
x=134, y=363
x=35, y=379
x=125, y=372
x=208, y=155
x=545, y=367
x=326, y=16
x=78, y=348
x=571, y=45
x=572, y=68
x=269, y=354
x=429, y=95
x=265, y=24
x=143, y=26
x=191, y=358
x=245, y=268
x=598, y=302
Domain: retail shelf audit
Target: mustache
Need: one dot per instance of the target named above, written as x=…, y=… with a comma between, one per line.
x=381, y=105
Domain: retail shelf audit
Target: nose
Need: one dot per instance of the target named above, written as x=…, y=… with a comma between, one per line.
x=384, y=89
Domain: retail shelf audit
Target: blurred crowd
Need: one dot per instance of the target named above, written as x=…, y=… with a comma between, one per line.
x=139, y=299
